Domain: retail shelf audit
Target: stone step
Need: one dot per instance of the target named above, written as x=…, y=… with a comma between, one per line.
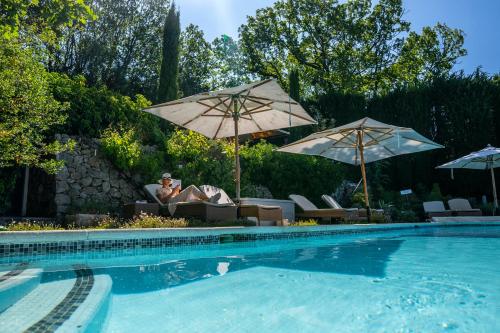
x=68, y=305
x=16, y=282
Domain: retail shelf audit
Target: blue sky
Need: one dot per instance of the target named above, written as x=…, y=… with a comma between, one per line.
x=479, y=19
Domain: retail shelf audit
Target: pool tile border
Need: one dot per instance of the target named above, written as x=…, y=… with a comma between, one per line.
x=63, y=311
x=78, y=242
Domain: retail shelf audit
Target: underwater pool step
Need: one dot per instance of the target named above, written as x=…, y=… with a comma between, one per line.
x=68, y=305
x=16, y=282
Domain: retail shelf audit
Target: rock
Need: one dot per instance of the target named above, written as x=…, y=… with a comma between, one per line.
x=96, y=182
x=62, y=199
x=123, y=184
x=76, y=187
x=106, y=187
x=61, y=186
x=94, y=162
x=115, y=193
x=86, y=181
x=63, y=173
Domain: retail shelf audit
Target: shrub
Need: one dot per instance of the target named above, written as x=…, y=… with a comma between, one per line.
x=304, y=223
x=32, y=226
x=197, y=160
x=121, y=147
x=152, y=221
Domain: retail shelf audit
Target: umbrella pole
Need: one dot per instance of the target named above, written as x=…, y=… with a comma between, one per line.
x=236, y=150
x=363, y=173
x=495, y=200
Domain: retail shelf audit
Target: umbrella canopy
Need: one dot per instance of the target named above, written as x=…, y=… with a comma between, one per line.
x=484, y=159
x=361, y=142
x=250, y=108
x=259, y=106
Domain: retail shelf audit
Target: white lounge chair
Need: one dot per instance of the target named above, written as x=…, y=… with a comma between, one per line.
x=462, y=207
x=435, y=209
x=203, y=210
x=309, y=210
x=332, y=203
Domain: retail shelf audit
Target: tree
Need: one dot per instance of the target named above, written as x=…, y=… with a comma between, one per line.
x=228, y=64
x=347, y=47
x=28, y=111
x=294, y=85
x=38, y=22
x=168, y=86
x=121, y=48
x=432, y=54
x=194, y=64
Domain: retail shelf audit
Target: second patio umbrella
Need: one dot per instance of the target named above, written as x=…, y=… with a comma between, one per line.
x=250, y=108
x=485, y=159
x=360, y=142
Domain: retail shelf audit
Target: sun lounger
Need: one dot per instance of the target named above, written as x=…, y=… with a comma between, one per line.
x=309, y=210
x=332, y=203
x=203, y=210
x=435, y=209
x=462, y=207
x=260, y=212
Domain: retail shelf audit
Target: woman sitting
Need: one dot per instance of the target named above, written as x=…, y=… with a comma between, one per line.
x=173, y=195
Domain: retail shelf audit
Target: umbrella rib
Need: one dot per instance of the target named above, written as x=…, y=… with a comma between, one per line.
x=344, y=136
x=246, y=109
x=220, y=125
x=205, y=112
x=377, y=140
x=212, y=107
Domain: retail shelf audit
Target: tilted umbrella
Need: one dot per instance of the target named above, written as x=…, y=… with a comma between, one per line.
x=360, y=142
x=255, y=107
x=487, y=158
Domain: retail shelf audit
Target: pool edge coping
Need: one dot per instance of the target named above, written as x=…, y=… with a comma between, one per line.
x=30, y=237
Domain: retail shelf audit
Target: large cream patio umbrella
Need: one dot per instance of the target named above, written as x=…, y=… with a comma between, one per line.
x=250, y=108
x=484, y=159
x=360, y=142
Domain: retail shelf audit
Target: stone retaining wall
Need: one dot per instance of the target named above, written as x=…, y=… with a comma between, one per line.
x=89, y=179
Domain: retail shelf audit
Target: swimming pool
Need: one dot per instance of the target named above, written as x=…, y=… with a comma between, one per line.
x=433, y=279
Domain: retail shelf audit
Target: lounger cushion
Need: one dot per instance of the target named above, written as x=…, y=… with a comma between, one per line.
x=210, y=191
x=434, y=206
x=331, y=201
x=303, y=202
x=150, y=190
x=460, y=204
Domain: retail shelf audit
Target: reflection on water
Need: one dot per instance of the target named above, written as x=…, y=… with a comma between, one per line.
x=366, y=258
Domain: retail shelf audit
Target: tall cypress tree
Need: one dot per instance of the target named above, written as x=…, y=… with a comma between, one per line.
x=169, y=72
x=294, y=84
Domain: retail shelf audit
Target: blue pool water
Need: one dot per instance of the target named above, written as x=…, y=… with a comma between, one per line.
x=415, y=280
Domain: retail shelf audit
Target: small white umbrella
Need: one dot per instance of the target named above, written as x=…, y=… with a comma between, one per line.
x=487, y=158
x=250, y=108
x=360, y=142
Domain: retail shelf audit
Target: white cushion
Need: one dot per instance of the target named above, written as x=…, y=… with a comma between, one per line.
x=331, y=201
x=302, y=202
x=434, y=206
x=210, y=191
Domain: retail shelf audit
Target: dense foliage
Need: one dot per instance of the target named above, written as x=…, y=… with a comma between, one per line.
x=28, y=111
